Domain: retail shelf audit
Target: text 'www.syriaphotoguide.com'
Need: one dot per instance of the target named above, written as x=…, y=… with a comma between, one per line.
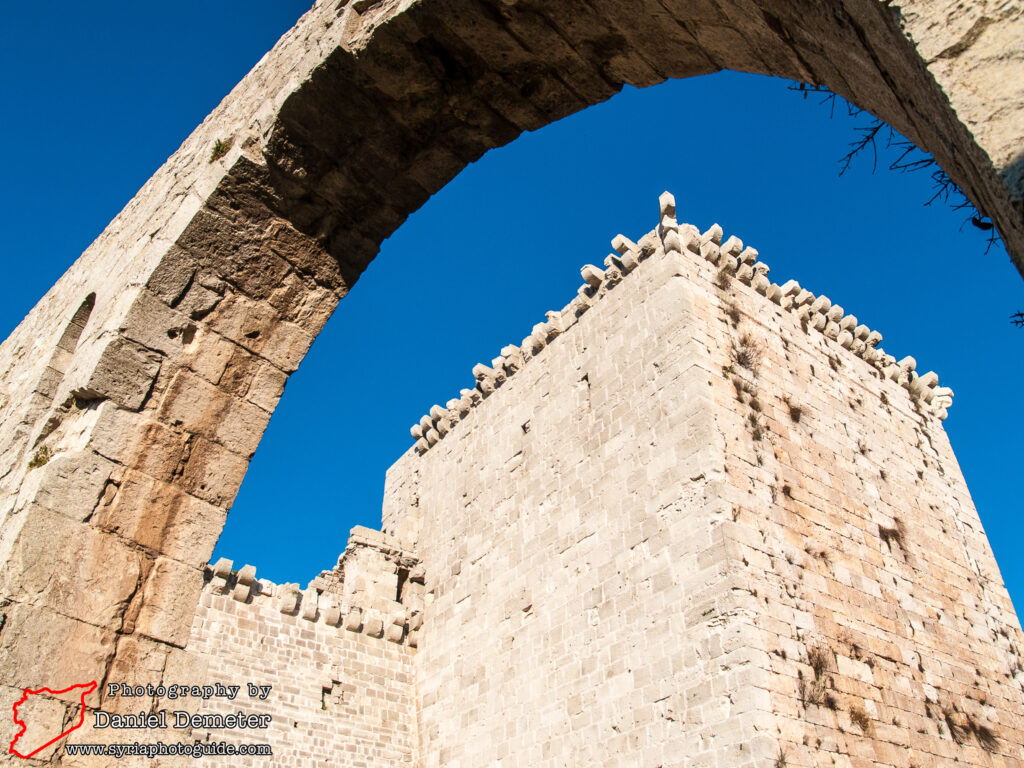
x=159, y=749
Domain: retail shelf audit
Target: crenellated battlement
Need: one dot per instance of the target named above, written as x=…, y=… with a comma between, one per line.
x=376, y=589
x=734, y=262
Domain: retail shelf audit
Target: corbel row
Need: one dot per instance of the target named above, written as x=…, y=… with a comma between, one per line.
x=311, y=605
x=817, y=312
x=730, y=257
x=597, y=282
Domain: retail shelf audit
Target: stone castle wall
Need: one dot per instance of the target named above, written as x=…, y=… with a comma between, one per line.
x=568, y=528
x=702, y=518
x=334, y=666
x=339, y=656
x=881, y=617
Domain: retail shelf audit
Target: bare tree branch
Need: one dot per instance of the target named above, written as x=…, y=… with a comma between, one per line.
x=867, y=139
x=909, y=158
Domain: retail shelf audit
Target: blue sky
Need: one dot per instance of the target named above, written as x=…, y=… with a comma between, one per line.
x=97, y=96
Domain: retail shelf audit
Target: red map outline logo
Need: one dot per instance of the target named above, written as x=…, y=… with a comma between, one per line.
x=87, y=689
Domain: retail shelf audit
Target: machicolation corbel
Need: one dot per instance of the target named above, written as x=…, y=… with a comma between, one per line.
x=732, y=259
x=376, y=589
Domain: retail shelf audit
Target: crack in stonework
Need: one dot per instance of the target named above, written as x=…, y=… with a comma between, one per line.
x=969, y=38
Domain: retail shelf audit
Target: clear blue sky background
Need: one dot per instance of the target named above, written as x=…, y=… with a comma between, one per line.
x=97, y=95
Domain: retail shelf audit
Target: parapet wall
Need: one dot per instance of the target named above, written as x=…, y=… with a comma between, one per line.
x=376, y=589
x=338, y=654
x=732, y=260
x=327, y=671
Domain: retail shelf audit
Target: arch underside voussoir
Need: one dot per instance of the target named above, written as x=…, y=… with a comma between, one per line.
x=373, y=132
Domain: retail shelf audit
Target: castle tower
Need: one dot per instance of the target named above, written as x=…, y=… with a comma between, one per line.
x=695, y=518
x=708, y=521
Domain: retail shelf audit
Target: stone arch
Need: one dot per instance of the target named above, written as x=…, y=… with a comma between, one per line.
x=231, y=258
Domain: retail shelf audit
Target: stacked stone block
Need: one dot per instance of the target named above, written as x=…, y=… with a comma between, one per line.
x=335, y=662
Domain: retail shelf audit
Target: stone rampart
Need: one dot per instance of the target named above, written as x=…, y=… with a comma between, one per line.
x=338, y=655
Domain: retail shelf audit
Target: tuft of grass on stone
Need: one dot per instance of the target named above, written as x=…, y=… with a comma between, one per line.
x=722, y=279
x=746, y=353
x=220, y=148
x=818, y=658
x=756, y=428
x=860, y=718
x=732, y=312
x=957, y=732
x=813, y=691
x=42, y=456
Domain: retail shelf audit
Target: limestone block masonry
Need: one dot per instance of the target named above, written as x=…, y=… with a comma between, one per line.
x=692, y=521
x=135, y=393
x=338, y=655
